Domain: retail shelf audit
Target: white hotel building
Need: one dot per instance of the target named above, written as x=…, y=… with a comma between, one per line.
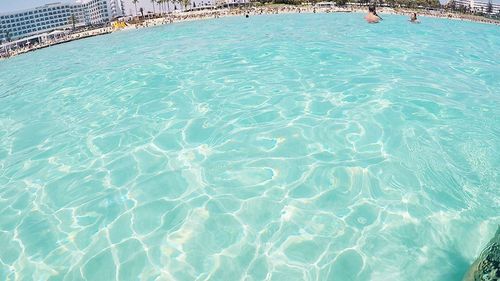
x=477, y=6
x=54, y=16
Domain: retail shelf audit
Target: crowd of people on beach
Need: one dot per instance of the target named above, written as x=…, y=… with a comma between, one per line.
x=371, y=17
x=268, y=10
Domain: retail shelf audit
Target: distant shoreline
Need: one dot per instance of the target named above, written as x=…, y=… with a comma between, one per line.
x=253, y=11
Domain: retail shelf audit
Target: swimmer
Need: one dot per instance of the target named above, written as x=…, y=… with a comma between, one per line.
x=413, y=18
x=372, y=16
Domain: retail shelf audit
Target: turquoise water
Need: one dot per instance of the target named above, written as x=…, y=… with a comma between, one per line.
x=288, y=147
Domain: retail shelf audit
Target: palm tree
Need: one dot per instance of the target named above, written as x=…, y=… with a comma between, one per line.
x=186, y=3
x=72, y=20
x=168, y=5
x=489, y=9
x=452, y=5
x=135, y=4
x=141, y=10
x=159, y=6
x=153, y=2
x=164, y=7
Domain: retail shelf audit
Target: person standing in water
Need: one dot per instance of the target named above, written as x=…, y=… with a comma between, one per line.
x=413, y=18
x=372, y=16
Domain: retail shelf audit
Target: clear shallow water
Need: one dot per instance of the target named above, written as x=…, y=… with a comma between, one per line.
x=290, y=147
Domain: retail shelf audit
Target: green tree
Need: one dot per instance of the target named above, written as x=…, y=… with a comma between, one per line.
x=452, y=5
x=72, y=20
x=185, y=3
x=489, y=9
x=340, y=2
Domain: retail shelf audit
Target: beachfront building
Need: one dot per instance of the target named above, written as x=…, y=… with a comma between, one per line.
x=116, y=8
x=208, y=4
x=202, y=4
x=475, y=6
x=54, y=16
x=236, y=2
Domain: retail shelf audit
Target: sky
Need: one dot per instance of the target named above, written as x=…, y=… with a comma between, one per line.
x=14, y=5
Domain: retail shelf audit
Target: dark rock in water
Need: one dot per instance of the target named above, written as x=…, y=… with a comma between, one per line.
x=487, y=266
